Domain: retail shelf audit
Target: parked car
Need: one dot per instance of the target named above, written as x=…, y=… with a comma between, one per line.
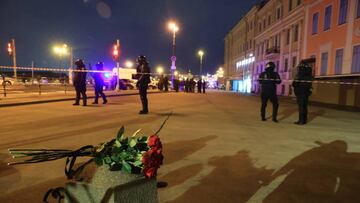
x=126, y=84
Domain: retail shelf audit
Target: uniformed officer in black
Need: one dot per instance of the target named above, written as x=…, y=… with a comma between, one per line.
x=302, y=89
x=199, y=85
x=143, y=76
x=99, y=83
x=79, y=82
x=268, y=80
x=204, y=85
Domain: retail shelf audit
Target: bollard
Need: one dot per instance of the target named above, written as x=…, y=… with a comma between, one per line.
x=111, y=187
x=39, y=88
x=4, y=86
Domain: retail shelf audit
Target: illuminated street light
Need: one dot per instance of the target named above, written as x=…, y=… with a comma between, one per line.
x=176, y=73
x=129, y=64
x=201, y=53
x=62, y=50
x=173, y=27
x=160, y=70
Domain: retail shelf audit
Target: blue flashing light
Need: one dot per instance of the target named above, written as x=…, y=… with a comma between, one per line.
x=107, y=75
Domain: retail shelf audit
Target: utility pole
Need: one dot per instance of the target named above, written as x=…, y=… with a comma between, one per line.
x=14, y=58
x=71, y=66
x=32, y=72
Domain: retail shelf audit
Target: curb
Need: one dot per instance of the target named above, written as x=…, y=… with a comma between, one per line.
x=66, y=99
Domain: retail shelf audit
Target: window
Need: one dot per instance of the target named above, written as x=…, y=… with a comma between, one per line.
x=264, y=23
x=288, y=37
x=358, y=9
x=315, y=23
x=327, y=23
x=294, y=61
x=298, y=2
x=355, y=67
x=343, y=11
x=269, y=19
x=286, y=66
x=260, y=26
x=339, y=61
x=290, y=5
x=324, y=63
x=278, y=13
x=296, y=33
x=277, y=66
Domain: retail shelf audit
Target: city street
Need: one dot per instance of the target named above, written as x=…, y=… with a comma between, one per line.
x=216, y=147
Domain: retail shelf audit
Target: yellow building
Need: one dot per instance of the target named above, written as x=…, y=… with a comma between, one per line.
x=239, y=53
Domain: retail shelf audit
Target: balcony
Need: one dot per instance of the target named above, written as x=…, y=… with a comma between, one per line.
x=275, y=50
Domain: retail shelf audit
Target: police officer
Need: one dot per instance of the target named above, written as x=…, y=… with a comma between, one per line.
x=268, y=80
x=79, y=82
x=302, y=89
x=204, y=85
x=199, y=85
x=166, y=83
x=99, y=83
x=143, y=76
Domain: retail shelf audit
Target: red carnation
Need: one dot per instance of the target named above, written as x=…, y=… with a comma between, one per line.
x=154, y=141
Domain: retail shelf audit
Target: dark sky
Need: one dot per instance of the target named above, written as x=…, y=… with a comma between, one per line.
x=92, y=26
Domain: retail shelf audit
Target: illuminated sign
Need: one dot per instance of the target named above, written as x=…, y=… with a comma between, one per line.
x=245, y=62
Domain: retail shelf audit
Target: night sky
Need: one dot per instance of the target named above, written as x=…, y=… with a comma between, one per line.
x=92, y=26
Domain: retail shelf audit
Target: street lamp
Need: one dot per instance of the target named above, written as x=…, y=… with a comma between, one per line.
x=63, y=50
x=201, y=54
x=160, y=70
x=129, y=64
x=60, y=50
x=173, y=28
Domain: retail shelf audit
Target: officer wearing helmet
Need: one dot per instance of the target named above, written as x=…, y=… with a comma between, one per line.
x=143, y=77
x=99, y=83
x=302, y=89
x=79, y=82
x=268, y=80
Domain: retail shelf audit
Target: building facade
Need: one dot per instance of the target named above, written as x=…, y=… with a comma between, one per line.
x=279, y=39
x=239, y=53
x=332, y=37
x=288, y=31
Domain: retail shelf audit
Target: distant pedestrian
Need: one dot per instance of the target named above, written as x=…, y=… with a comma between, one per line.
x=268, y=80
x=199, y=85
x=166, y=84
x=187, y=85
x=143, y=77
x=302, y=89
x=99, y=83
x=79, y=82
x=204, y=86
x=161, y=83
x=176, y=85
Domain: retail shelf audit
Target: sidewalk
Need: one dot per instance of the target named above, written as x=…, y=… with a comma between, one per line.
x=47, y=97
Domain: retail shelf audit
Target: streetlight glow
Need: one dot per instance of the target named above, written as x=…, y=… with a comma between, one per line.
x=173, y=27
x=60, y=50
x=160, y=70
x=129, y=64
x=201, y=53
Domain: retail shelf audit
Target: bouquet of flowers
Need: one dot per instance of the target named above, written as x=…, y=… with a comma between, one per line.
x=130, y=154
x=133, y=155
